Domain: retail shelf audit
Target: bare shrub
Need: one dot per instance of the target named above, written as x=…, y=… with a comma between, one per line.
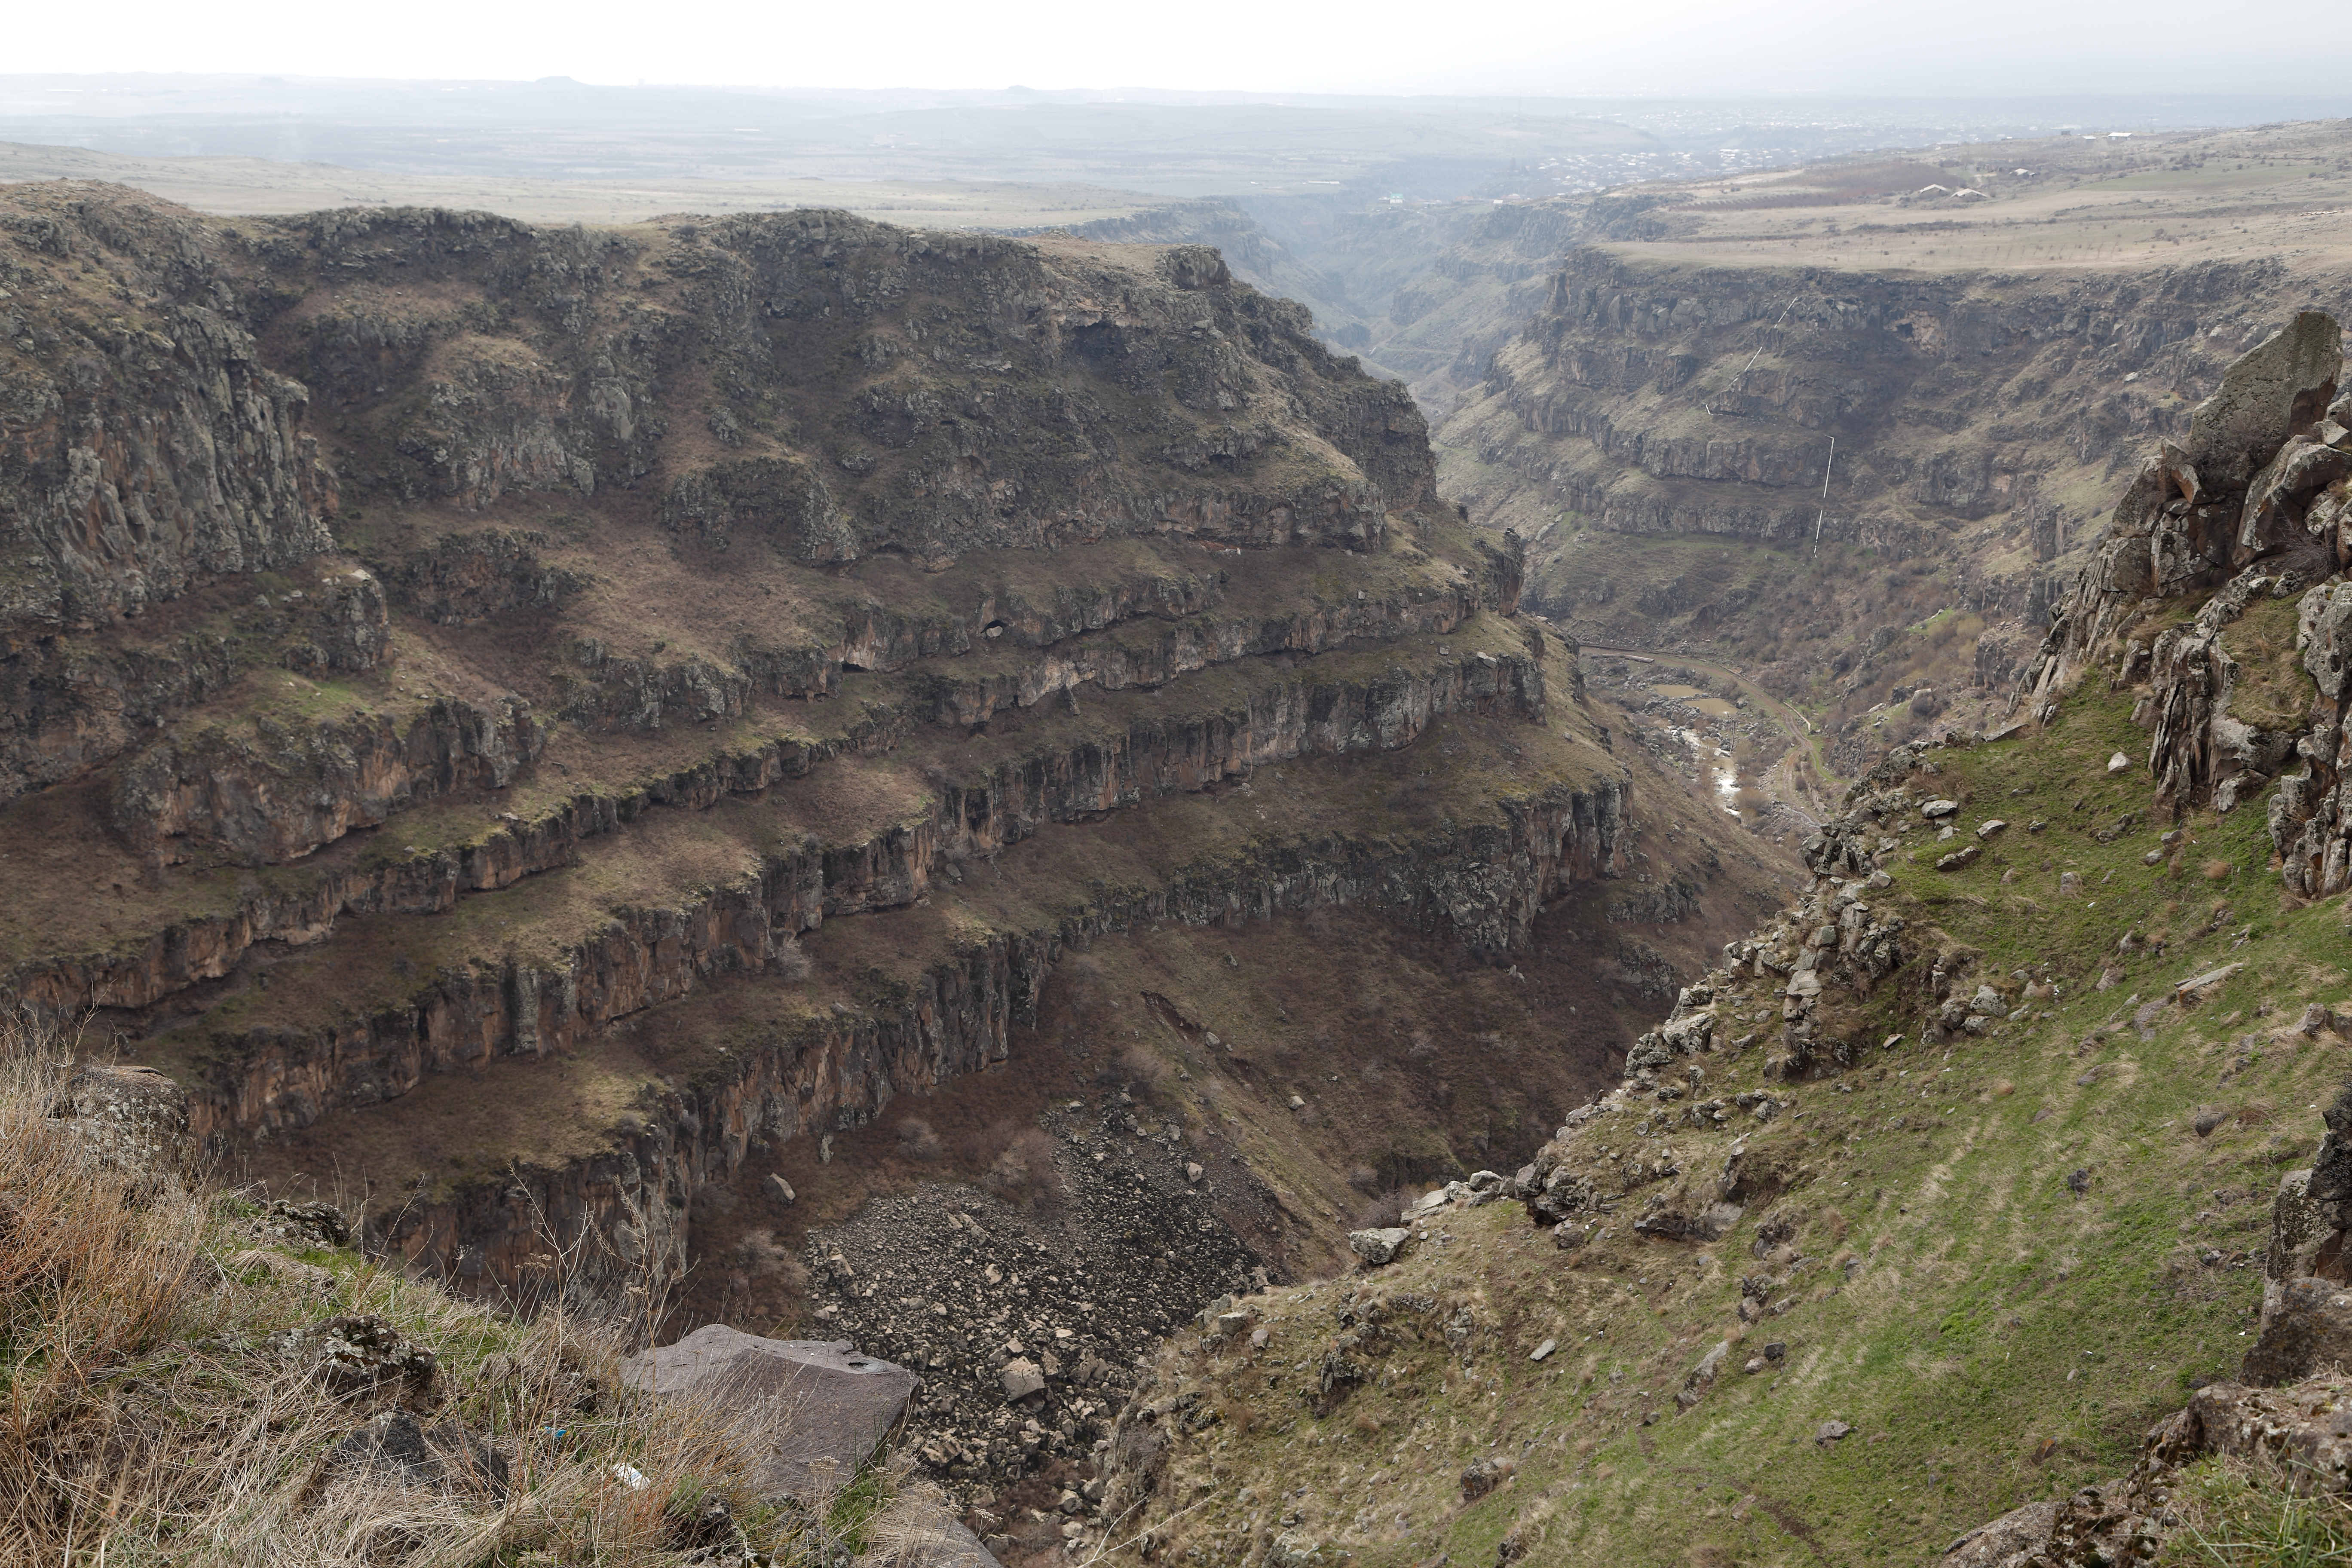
x=1384, y=1210
x=916, y=1140
x=1023, y=1171
x=1141, y=1069
x=757, y=1255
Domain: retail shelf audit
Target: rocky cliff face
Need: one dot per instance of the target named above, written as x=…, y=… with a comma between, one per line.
x=1667, y=399
x=691, y=589
x=1789, y=434
x=2243, y=518
x=150, y=444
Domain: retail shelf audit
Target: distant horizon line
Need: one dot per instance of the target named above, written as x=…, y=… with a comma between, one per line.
x=1117, y=93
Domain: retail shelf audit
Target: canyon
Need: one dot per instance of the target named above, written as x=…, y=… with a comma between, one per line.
x=997, y=794
x=543, y=731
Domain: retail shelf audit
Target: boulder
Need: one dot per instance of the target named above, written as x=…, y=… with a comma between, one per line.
x=448, y=1454
x=812, y=1410
x=1480, y=1477
x=353, y=1355
x=779, y=1189
x=1378, y=1246
x=2304, y=1428
x=306, y=1224
x=2278, y=389
x=925, y=1535
x=1429, y=1203
x=2196, y=983
x=133, y=1118
x=2276, y=503
x=1701, y=1378
x=2310, y=1328
x=1690, y=1220
x=2098, y=1526
x=1021, y=1377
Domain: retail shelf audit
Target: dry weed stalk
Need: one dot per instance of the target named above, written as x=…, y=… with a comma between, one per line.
x=158, y=1406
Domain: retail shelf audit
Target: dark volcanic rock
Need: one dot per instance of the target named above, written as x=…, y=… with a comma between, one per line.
x=2310, y=1328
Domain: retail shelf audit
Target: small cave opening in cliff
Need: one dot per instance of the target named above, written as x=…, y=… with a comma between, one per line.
x=848, y=664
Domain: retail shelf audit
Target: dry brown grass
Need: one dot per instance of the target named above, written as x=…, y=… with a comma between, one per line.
x=151, y=1411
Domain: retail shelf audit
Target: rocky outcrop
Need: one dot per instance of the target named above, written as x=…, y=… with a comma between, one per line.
x=653, y=477
x=623, y=1212
x=1759, y=377
x=132, y=1118
x=140, y=974
x=2306, y=1322
x=629, y=1205
x=248, y=800
x=813, y=1410
x=1483, y=887
x=468, y=577
x=147, y=443
x=2297, y=1432
x=71, y=704
x=1177, y=400
x=2261, y=485
x=2195, y=512
x=278, y=792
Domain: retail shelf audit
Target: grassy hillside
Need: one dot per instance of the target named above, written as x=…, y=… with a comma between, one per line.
x=1996, y=1260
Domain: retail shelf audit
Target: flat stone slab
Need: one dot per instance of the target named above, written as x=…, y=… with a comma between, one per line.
x=2197, y=983
x=933, y=1539
x=814, y=1410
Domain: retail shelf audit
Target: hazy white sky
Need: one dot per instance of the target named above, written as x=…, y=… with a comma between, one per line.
x=1367, y=45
